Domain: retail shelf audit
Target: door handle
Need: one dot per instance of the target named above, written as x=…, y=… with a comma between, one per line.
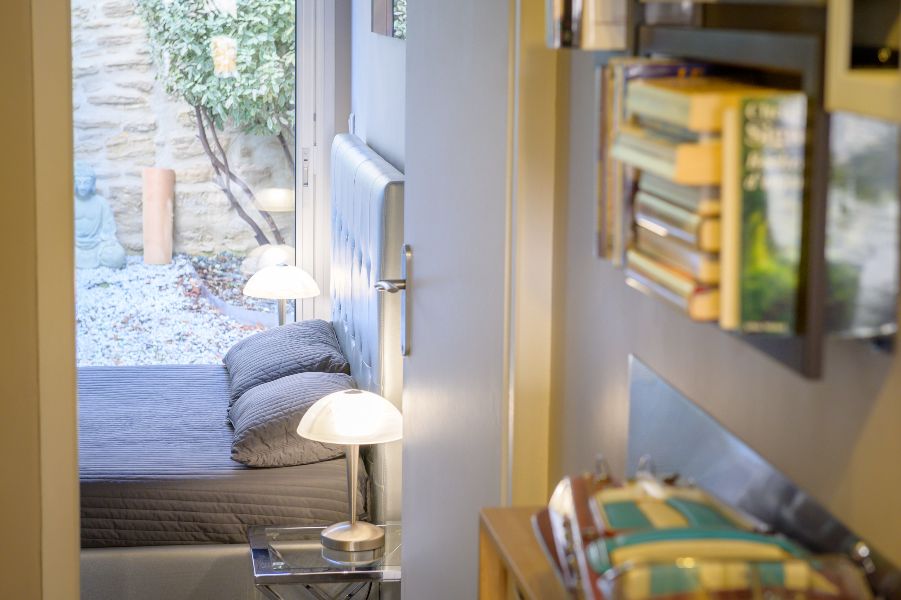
x=402, y=286
x=391, y=286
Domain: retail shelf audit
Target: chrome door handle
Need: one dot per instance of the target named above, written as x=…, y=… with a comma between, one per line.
x=391, y=286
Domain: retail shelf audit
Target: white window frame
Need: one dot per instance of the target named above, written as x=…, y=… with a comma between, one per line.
x=323, y=105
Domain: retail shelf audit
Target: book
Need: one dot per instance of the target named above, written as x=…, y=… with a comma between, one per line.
x=681, y=160
x=764, y=136
x=670, y=220
x=701, y=199
x=699, y=302
x=704, y=267
x=695, y=104
x=616, y=180
x=862, y=229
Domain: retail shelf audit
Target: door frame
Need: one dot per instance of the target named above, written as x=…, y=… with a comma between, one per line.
x=540, y=115
x=40, y=512
x=323, y=101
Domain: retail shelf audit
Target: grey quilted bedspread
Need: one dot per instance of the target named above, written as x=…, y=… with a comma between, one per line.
x=155, y=466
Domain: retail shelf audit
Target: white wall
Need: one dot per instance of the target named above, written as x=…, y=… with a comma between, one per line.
x=838, y=438
x=377, y=86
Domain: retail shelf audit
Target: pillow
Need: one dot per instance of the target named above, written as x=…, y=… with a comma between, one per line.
x=266, y=418
x=295, y=348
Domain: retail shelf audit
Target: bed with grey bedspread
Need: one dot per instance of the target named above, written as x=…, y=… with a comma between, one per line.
x=155, y=466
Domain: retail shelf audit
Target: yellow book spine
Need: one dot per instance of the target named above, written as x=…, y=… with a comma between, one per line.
x=730, y=221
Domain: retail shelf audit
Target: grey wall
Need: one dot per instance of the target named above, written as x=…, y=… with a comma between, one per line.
x=839, y=438
x=377, y=86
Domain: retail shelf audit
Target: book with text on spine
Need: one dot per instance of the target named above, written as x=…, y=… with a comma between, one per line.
x=704, y=267
x=764, y=138
x=701, y=199
x=700, y=302
x=678, y=159
x=615, y=178
x=670, y=220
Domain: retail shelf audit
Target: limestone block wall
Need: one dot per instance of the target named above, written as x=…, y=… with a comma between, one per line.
x=124, y=121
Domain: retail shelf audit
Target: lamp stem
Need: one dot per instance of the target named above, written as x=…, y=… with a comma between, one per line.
x=352, y=455
x=282, y=312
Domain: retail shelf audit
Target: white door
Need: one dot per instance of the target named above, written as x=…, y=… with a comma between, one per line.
x=456, y=215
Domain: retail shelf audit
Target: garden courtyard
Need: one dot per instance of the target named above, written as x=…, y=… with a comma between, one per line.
x=190, y=311
x=184, y=135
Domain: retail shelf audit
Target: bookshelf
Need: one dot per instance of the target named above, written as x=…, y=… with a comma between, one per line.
x=786, y=41
x=862, y=84
x=752, y=2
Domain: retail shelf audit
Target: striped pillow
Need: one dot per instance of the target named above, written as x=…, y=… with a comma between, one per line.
x=306, y=346
x=266, y=417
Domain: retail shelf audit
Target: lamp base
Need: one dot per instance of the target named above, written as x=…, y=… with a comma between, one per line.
x=357, y=543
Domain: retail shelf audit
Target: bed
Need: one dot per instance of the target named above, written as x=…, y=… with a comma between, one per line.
x=164, y=509
x=155, y=466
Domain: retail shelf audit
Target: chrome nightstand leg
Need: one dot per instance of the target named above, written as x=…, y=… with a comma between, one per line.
x=351, y=591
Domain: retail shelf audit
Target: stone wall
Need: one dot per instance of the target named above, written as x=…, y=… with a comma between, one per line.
x=124, y=121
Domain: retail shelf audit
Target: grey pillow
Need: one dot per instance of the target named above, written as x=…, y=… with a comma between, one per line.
x=266, y=417
x=295, y=348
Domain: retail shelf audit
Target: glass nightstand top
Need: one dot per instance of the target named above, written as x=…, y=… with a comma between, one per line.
x=294, y=555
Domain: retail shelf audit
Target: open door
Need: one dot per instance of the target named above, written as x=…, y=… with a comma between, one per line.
x=455, y=220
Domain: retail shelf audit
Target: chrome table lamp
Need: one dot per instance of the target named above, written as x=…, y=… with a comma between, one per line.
x=352, y=418
x=282, y=283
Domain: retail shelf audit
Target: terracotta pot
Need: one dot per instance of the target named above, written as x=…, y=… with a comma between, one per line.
x=159, y=199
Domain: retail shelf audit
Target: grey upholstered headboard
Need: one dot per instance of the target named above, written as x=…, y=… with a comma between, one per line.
x=367, y=237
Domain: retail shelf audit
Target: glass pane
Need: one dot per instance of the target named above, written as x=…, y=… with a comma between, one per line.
x=184, y=144
x=298, y=549
x=862, y=235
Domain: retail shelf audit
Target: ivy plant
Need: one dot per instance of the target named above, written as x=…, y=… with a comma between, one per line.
x=256, y=98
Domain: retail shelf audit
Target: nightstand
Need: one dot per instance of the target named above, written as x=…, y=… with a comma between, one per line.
x=288, y=563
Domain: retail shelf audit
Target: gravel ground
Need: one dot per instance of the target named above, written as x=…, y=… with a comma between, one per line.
x=222, y=275
x=156, y=314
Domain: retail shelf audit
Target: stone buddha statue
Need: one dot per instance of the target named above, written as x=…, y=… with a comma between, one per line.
x=95, y=229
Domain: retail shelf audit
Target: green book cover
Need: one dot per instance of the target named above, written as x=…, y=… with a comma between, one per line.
x=773, y=133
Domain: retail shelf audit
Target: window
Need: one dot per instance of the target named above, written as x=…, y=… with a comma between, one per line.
x=185, y=176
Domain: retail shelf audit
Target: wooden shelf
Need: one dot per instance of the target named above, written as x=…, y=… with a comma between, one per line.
x=800, y=54
x=817, y=3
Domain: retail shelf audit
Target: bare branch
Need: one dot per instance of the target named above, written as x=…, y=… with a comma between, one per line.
x=279, y=238
x=289, y=156
x=223, y=181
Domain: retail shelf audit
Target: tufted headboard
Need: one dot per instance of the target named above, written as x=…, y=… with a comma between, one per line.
x=367, y=237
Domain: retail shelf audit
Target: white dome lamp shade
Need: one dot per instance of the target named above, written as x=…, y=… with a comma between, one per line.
x=352, y=418
x=267, y=255
x=275, y=200
x=282, y=282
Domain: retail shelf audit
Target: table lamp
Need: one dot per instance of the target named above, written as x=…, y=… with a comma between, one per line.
x=351, y=418
x=275, y=200
x=282, y=283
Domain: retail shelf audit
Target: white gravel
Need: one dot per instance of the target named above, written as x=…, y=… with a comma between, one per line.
x=150, y=314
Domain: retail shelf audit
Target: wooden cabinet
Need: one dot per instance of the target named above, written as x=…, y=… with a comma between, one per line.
x=511, y=563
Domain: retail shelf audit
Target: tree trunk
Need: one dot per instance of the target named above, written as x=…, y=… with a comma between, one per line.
x=225, y=177
x=223, y=180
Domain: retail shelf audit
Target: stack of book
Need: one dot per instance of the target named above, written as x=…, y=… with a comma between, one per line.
x=716, y=211
x=617, y=177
